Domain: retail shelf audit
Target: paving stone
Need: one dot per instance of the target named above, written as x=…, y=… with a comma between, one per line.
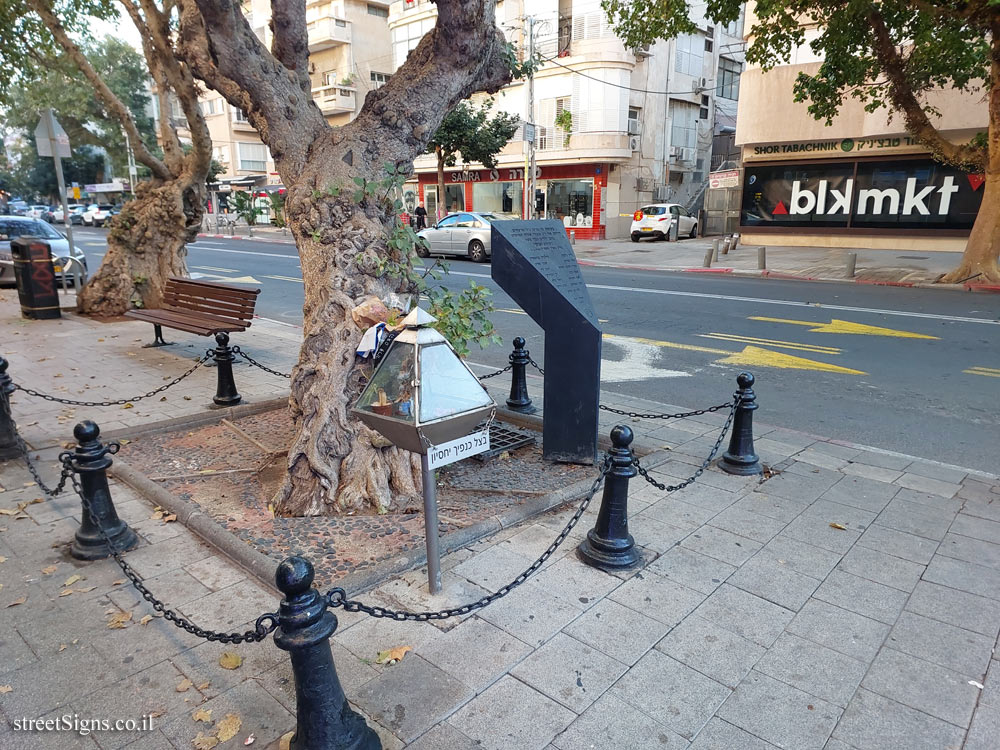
x=865, y=494
x=885, y=460
x=692, y=569
x=882, y=568
x=991, y=685
x=15, y=652
x=475, y=652
x=612, y=723
x=780, y=714
x=876, y=473
x=772, y=451
x=971, y=550
x=964, y=576
x=677, y=695
x=988, y=509
x=926, y=484
x=819, y=458
x=959, y=608
x=771, y=578
x=137, y=646
x=936, y=471
x=570, y=672
x=721, y=735
x=942, y=693
x=745, y=614
x=531, y=613
x=839, y=629
x=802, y=557
x=443, y=737
x=511, y=715
x=715, y=477
x=862, y=596
x=42, y=739
x=816, y=530
x=368, y=636
x=411, y=697
x=671, y=510
x=943, y=644
x=772, y=506
x=214, y=575
x=791, y=437
x=618, y=631
x=834, y=449
x=977, y=528
x=738, y=519
x=234, y=605
x=712, y=650
x=201, y=664
x=722, y=545
x=156, y=559
x=873, y=721
x=657, y=597
x=494, y=567
x=709, y=497
x=575, y=581
x=898, y=544
x=813, y=668
x=985, y=729
x=929, y=504
x=656, y=535
x=800, y=487
x=39, y=688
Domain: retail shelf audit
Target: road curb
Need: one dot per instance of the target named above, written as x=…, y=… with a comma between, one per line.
x=241, y=237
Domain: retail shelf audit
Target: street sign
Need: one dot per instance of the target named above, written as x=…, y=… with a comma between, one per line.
x=456, y=450
x=726, y=178
x=44, y=138
x=529, y=132
x=105, y=187
x=76, y=192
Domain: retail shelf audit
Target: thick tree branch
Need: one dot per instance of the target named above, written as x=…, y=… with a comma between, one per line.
x=111, y=102
x=291, y=39
x=904, y=99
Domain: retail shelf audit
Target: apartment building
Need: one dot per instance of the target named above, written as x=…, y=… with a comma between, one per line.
x=862, y=181
x=640, y=124
x=349, y=55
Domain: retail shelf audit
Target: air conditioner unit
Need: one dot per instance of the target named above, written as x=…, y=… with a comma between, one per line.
x=633, y=142
x=634, y=127
x=675, y=152
x=661, y=193
x=688, y=154
x=643, y=185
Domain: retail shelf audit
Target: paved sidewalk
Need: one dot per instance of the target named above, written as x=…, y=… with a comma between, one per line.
x=753, y=624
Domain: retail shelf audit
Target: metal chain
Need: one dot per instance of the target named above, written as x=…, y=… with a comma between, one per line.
x=534, y=364
x=255, y=363
x=117, y=402
x=50, y=491
x=494, y=374
x=681, y=415
x=337, y=597
x=704, y=464
x=264, y=625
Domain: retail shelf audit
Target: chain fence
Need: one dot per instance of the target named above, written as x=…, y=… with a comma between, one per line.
x=239, y=352
x=680, y=415
x=498, y=372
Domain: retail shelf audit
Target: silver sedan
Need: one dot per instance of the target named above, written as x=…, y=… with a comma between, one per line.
x=12, y=227
x=464, y=233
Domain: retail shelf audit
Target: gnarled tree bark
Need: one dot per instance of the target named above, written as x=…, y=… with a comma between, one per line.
x=335, y=463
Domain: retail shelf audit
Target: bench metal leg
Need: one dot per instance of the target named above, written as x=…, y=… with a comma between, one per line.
x=157, y=337
x=225, y=392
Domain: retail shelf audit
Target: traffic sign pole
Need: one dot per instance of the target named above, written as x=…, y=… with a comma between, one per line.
x=47, y=130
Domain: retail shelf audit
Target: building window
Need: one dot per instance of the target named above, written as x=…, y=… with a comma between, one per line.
x=703, y=113
x=690, y=54
x=498, y=197
x=735, y=28
x=709, y=42
x=239, y=115
x=379, y=79
x=208, y=107
x=570, y=201
x=634, y=120
x=407, y=36
x=683, y=124
x=729, y=79
x=253, y=157
x=377, y=11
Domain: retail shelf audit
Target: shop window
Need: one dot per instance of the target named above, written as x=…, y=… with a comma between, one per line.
x=571, y=201
x=454, y=200
x=498, y=197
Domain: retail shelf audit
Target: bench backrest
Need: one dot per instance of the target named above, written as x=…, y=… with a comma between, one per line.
x=210, y=297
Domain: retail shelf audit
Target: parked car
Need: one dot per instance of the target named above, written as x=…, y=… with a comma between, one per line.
x=57, y=213
x=49, y=214
x=17, y=208
x=37, y=211
x=464, y=233
x=97, y=213
x=656, y=219
x=12, y=227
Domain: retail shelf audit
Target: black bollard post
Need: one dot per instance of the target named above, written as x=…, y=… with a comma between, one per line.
x=90, y=461
x=225, y=392
x=8, y=435
x=741, y=458
x=519, y=400
x=608, y=544
x=324, y=720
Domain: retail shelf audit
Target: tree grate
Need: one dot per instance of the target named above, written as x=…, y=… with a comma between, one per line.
x=504, y=438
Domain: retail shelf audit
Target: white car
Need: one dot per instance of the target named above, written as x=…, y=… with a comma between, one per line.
x=57, y=213
x=12, y=227
x=655, y=221
x=96, y=214
x=36, y=212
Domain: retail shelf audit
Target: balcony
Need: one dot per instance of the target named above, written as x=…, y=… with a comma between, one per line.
x=335, y=99
x=327, y=32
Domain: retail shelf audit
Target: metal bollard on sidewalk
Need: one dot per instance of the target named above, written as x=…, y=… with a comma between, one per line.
x=608, y=544
x=324, y=720
x=8, y=435
x=741, y=458
x=225, y=391
x=90, y=460
x=519, y=400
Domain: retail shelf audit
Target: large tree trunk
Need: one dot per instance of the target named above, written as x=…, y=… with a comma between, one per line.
x=335, y=463
x=146, y=246
x=979, y=262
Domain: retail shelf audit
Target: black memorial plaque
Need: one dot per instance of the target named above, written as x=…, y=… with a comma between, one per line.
x=534, y=263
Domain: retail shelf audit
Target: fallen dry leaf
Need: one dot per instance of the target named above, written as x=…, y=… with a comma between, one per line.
x=203, y=715
x=157, y=713
x=392, y=655
x=286, y=740
x=839, y=526
x=226, y=729
x=72, y=579
x=230, y=660
x=65, y=592
x=3, y=559
x=157, y=515
x=204, y=741
x=169, y=518
x=128, y=406
x=62, y=647
x=184, y=685
x=250, y=739
x=85, y=590
x=9, y=511
x=21, y=600
x=47, y=570
x=4, y=689
x=203, y=685
x=119, y=582
x=119, y=619
x=146, y=619
x=28, y=484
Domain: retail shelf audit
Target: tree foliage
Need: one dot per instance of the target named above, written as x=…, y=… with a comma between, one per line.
x=470, y=130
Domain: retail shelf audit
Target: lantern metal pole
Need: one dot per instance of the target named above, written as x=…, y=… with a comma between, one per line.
x=431, y=525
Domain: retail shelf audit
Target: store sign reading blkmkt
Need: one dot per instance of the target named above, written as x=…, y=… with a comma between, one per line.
x=899, y=194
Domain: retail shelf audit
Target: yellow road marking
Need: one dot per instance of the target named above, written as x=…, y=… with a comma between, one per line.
x=213, y=268
x=285, y=278
x=522, y=312
x=989, y=372
x=846, y=326
x=772, y=342
x=752, y=356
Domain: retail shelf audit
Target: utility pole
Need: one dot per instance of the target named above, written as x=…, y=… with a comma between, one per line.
x=132, y=172
x=51, y=140
x=529, y=161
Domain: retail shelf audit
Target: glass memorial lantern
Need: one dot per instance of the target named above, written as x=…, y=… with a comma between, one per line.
x=421, y=393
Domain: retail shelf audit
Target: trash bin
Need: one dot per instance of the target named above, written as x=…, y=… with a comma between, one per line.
x=36, y=278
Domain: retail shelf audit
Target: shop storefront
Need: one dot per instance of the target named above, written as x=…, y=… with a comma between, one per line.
x=572, y=193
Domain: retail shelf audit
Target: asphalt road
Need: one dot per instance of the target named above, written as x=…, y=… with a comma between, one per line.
x=909, y=370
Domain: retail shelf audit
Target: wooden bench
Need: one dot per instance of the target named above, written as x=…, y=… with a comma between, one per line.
x=204, y=307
